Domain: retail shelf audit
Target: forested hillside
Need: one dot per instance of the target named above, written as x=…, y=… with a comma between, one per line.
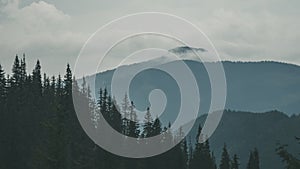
x=251, y=86
x=39, y=128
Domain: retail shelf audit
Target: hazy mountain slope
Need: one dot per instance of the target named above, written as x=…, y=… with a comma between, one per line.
x=251, y=86
x=242, y=131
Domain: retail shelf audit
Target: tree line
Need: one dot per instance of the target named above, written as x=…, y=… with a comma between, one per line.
x=39, y=128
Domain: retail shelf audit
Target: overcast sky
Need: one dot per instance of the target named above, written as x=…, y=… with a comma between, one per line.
x=54, y=31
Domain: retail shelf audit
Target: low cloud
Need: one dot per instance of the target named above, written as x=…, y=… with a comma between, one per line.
x=42, y=31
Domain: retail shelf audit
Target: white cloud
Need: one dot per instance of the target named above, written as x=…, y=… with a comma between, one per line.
x=55, y=30
x=41, y=30
x=254, y=36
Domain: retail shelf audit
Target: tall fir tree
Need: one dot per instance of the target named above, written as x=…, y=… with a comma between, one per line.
x=201, y=156
x=23, y=69
x=2, y=89
x=133, y=127
x=235, y=162
x=147, y=126
x=291, y=162
x=253, y=162
x=225, y=159
x=3, y=116
x=16, y=72
x=37, y=80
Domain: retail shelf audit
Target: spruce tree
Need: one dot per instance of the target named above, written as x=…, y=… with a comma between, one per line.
x=116, y=118
x=256, y=158
x=147, y=126
x=16, y=73
x=37, y=80
x=253, y=162
x=201, y=156
x=23, y=69
x=3, y=117
x=225, y=159
x=2, y=89
x=235, y=162
x=125, y=115
x=290, y=160
x=133, y=122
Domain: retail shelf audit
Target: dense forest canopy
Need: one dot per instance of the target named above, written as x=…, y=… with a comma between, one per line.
x=39, y=128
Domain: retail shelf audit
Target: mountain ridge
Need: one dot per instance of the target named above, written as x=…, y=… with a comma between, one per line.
x=243, y=131
x=251, y=86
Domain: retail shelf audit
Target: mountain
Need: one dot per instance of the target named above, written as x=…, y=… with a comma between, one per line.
x=243, y=131
x=251, y=86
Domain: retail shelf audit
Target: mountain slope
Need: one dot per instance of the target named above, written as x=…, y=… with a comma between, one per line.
x=243, y=131
x=251, y=86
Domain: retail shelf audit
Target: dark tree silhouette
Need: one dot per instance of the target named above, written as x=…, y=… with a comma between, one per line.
x=253, y=162
x=289, y=159
x=235, y=162
x=225, y=159
x=39, y=127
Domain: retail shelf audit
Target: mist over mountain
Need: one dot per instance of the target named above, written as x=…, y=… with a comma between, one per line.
x=251, y=87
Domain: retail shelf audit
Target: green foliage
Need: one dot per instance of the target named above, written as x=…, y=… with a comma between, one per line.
x=39, y=127
x=235, y=162
x=253, y=162
x=202, y=156
x=225, y=159
x=290, y=160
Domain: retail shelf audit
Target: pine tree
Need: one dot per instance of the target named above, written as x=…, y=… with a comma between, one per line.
x=23, y=69
x=207, y=156
x=256, y=158
x=190, y=154
x=84, y=87
x=3, y=116
x=125, y=107
x=116, y=118
x=37, y=80
x=183, y=159
x=195, y=158
x=147, y=126
x=16, y=70
x=104, y=109
x=235, y=162
x=225, y=159
x=156, y=128
x=180, y=151
x=125, y=115
x=253, y=162
x=2, y=89
x=201, y=156
x=133, y=122
x=68, y=80
x=59, y=88
x=168, y=138
x=290, y=160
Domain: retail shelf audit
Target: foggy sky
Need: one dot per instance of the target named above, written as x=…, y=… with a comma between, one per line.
x=54, y=31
